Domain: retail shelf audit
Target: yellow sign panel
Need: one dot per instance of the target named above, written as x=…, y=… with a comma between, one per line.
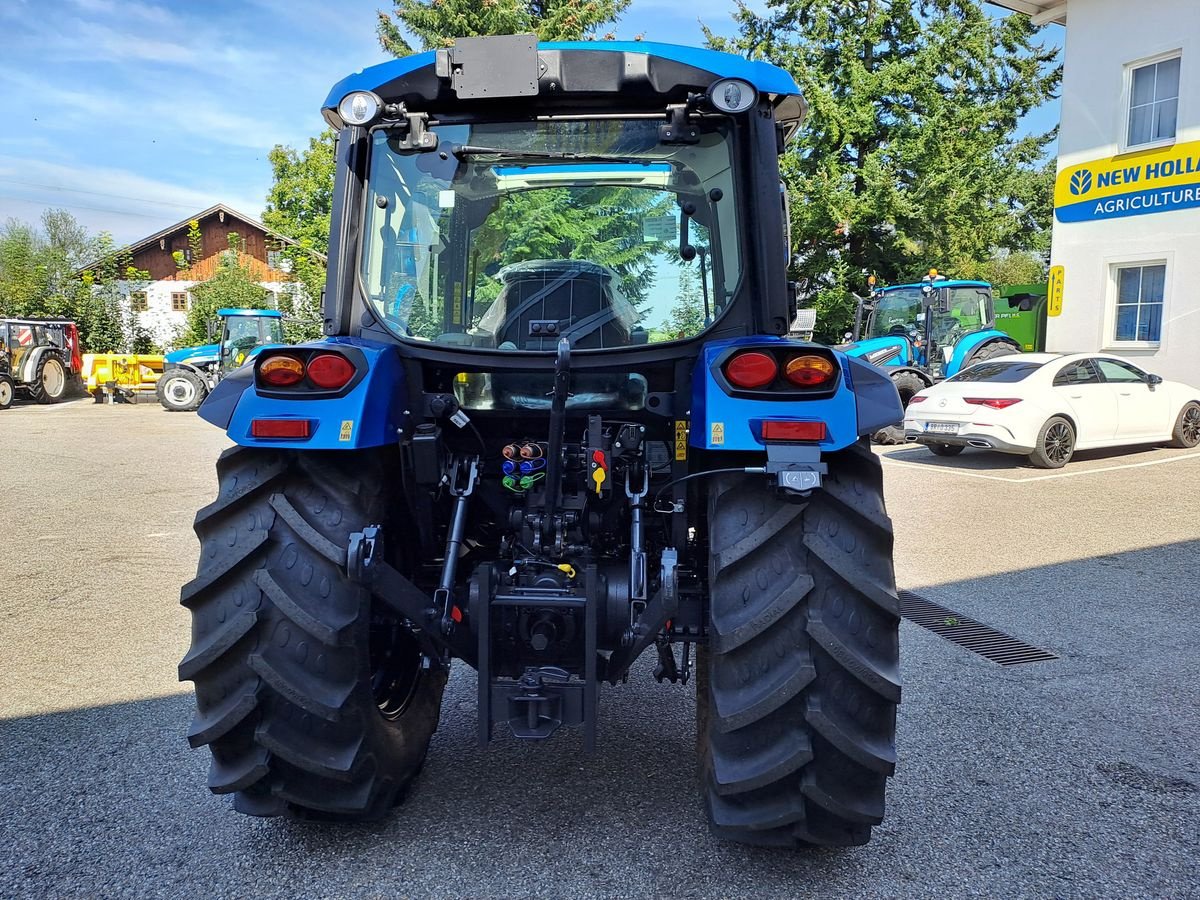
x=681, y=432
x=347, y=430
x=717, y=434
x=1129, y=184
x=1054, y=294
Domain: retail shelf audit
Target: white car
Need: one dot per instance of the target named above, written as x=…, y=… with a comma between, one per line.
x=1048, y=405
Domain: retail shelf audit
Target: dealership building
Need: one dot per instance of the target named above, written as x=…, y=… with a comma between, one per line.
x=1127, y=194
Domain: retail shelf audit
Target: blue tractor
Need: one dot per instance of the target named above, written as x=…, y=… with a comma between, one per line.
x=925, y=332
x=190, y=373
x=525, y=447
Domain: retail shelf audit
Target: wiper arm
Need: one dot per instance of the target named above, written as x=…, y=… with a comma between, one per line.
x=462, y=151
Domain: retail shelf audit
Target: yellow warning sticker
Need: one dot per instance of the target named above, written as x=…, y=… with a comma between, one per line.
x=347, y=431
x=681, y=432
x=717, y=434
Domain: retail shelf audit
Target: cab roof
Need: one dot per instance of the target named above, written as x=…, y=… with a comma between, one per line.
x=269, y=313
x=941, y=282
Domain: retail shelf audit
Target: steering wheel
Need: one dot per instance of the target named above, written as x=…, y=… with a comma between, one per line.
x=899, y=328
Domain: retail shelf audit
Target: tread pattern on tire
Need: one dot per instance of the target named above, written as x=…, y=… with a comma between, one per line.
x=797, y=705
x=34, y=388
x=279, y=637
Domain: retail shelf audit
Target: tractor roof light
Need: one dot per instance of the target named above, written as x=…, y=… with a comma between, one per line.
x=359, y=108
x=752, y=369
x=732, y=95
x=281, y=370
x=809, y=370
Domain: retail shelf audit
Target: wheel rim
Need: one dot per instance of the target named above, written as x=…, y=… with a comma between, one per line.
x=180, y=391
x=6, y=393
x=395, y=665
x=1058, y=442
x=53, y=378
x=1191, y=425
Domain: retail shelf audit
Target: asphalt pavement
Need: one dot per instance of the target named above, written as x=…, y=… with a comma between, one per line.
x=1078, y=777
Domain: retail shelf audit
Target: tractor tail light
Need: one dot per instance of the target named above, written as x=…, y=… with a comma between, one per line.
x=281, y=370
x=809, y=370
x=774, y=430
x=993, y=402
x=298, y=429
x=752, y=369
x=330, y=371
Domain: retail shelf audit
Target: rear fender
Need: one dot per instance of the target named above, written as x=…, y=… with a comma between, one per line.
x=863, y=401
x=969, y=343
x=368, y=415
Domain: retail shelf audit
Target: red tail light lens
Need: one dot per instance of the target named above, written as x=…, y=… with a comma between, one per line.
x=793, y=431
x=912, y=400
x=281, y=428
x=330, y=371
x=808, y=370
x=751, y=369
x=993, y=402
x=281, y=370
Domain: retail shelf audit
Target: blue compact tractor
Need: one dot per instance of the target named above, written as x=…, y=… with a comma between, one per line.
x=556, y=424
x=189, y=374
x=922, y=333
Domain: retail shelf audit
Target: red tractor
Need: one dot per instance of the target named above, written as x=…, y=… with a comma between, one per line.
x=39, y=358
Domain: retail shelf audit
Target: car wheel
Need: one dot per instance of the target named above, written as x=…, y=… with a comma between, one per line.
x=946, y=449
x=1055, y=444
x=1187, y=427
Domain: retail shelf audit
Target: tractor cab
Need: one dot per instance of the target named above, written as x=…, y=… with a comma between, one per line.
x=245, y=330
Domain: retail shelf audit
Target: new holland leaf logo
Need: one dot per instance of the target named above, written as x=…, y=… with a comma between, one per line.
x=1081, y=182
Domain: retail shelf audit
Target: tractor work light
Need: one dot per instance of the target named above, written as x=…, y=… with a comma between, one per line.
x=775, y=430
x=809, y=370
x=281, y=370
x=330, y=371
x=359, y=108
x=288, y=429
x=732, y=95
x=752, y=369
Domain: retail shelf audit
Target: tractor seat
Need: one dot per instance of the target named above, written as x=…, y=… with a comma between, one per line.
x=544, y=300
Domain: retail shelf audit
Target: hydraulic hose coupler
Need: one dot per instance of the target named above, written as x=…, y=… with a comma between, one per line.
x=531, y=451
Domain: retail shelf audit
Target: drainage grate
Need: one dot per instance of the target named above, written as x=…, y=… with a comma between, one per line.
x=966, y=632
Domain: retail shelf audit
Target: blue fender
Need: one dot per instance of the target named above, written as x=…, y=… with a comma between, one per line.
x=863, y=401
x=969, y=343
x=881, y=351
x=368, y=415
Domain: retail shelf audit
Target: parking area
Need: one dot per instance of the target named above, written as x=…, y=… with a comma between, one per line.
x=1078, y=777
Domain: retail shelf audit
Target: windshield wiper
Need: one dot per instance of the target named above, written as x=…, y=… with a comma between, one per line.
x=462, y=151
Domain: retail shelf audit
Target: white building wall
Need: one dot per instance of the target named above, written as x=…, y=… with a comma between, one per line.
x=1102, y=38
x=166, y=324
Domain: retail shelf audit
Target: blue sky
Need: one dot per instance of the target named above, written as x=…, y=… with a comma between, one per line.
x=133, y=114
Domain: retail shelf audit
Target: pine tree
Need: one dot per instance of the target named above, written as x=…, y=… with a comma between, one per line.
x=910, y=157
x=436, y=23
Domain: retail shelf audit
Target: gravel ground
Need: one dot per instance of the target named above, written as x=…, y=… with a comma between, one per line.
x=1073, y=778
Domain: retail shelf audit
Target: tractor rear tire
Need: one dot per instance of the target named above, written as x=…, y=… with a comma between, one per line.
x=798, y=687
x=311, y=696
x=49, y=383
x=908, y=385
x=991, y=351
x=181, y=391
x=7, y=391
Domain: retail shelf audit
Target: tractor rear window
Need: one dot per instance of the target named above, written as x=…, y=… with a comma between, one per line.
x=998, y=372
x=514, y=235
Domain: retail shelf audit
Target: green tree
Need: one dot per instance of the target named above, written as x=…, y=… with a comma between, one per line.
x=233, y=286
x=687, y=315
x=436, y=23
x=910, y=157
x=107, y=322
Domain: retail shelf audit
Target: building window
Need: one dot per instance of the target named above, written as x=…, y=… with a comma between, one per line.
x=179, y=302
x=1140, y=303
x=138, y=302
x=1153, y=102
x=275, y=259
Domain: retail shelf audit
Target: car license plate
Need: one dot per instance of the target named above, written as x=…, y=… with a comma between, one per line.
x=941, y=428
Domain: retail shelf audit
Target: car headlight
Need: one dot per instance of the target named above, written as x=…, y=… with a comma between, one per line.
x=359, y=108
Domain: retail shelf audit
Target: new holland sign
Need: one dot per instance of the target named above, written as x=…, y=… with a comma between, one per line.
x=1132, y=184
